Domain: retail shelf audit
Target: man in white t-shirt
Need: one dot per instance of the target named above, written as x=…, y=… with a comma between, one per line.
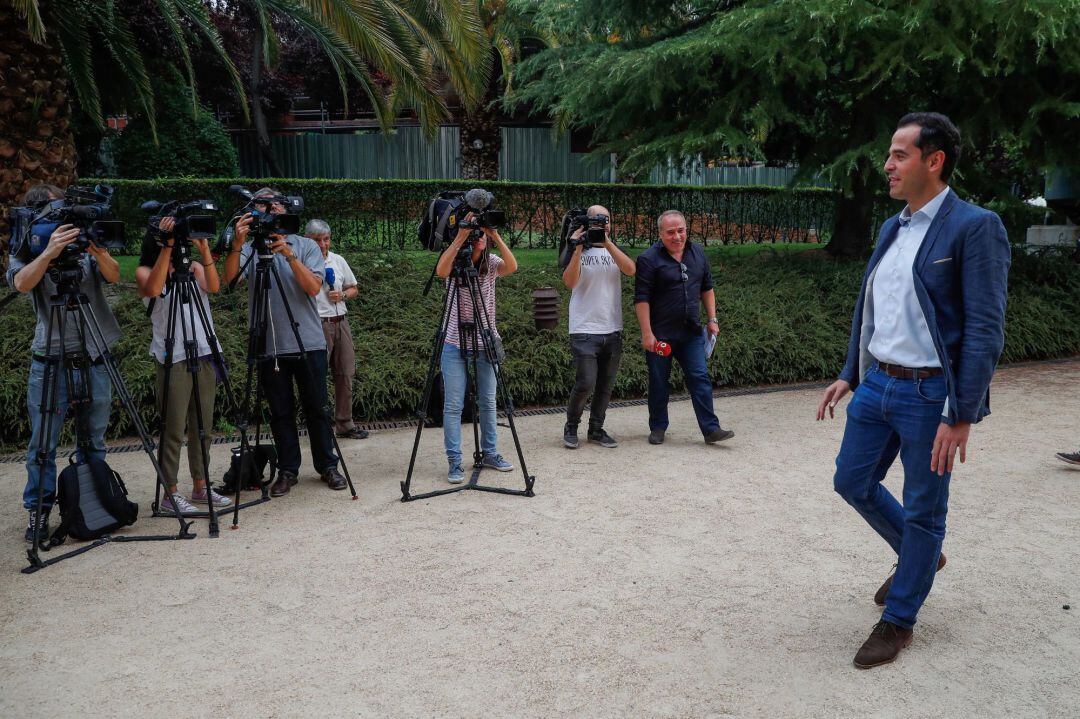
x=339, y=285
x=593, y=272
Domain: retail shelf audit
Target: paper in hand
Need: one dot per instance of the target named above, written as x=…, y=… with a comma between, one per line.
x=710, y=341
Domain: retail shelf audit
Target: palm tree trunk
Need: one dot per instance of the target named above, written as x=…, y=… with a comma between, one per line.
x=480, y=139
x=257, y=114
x=36, y=142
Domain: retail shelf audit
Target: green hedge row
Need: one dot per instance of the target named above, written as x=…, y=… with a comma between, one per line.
x=783, y=319
x=384, y=214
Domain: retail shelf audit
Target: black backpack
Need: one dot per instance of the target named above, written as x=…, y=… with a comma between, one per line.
x=248, y=472
x=93, y=501
x=436, y=229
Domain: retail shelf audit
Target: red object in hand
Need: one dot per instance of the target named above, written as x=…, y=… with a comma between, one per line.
x=662, y=348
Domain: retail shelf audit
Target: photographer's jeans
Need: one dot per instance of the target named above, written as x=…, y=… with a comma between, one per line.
x=311, y=386
x=889, y=416
x=597, y=360
x=97, y=422
x=454, y=381
x=690, y=353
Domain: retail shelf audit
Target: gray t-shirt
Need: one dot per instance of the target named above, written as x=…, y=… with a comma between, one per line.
x=280, y=339
x=92, y=285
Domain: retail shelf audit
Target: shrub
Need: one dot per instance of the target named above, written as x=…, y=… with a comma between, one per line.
x=783, y=319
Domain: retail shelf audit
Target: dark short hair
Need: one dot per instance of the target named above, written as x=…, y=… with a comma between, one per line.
x=39, y=194
x=936, y=132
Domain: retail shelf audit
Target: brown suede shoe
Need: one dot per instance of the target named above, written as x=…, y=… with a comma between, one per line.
x=284, y=482
x=883, y=590
x=884, y=644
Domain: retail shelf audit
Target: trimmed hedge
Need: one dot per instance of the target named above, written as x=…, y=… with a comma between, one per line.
x=384, y=214
x=783, y=319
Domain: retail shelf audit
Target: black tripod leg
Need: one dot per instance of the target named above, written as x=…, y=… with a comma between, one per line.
x=429, y=384
x=46, y=412
x=189, y=292
x=170, y=337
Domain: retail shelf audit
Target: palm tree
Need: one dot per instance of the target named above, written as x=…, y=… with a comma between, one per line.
x=409, y=43
x=51, y=48
x=508, y=26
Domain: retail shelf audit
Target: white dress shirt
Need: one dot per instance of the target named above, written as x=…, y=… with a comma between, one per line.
x=343, y=277
x=901, y=335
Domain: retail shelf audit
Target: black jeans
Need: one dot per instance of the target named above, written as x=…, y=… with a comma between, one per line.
x=311, y=385
x=597, y=360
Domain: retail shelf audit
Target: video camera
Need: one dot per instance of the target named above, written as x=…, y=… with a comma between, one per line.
x=264, y=222
x=88, y=209
x=446, y=214
x=192, y=220
x=595, y=228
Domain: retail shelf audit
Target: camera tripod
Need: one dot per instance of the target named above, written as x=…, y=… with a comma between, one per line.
x=261, y=332
x=70, y=300
x=476, y=337
x=186, y=305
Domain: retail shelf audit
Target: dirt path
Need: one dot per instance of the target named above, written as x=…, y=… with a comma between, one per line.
x=682, y=580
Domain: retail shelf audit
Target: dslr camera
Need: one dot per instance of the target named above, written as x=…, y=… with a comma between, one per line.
x=88, y=209
x=446, y=214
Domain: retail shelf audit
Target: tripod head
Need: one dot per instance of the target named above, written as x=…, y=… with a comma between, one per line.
x=67, y=276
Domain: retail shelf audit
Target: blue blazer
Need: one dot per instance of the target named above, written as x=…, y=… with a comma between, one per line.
x=961, y=280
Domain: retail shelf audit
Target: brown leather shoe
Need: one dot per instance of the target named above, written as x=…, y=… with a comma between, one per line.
x=334, y=479
x=284, y=482
x=883, y=590
x=883, y=645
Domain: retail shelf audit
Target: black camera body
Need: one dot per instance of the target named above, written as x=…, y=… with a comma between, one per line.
x=264, y=222
x=88, y=209
x=595, y=228
x=446, y=213
x=192, y=220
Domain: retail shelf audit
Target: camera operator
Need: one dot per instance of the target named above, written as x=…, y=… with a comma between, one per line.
x=97, y=267
x=155, y=268
x=594, y=276
x=299, y=264
x=339, y=286
x=454, y=356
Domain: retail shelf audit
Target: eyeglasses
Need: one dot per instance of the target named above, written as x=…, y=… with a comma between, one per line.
x=682, y=269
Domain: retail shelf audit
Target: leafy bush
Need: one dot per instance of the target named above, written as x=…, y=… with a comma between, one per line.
x=783, y=319
x=187, y=145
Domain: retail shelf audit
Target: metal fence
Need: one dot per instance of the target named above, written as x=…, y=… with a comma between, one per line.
x=384, y=214
x=529, y=154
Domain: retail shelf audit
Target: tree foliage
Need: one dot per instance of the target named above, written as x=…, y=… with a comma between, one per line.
x=818, y=82
x=188, y=146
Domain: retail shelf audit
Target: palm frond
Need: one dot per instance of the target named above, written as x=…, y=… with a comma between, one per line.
x=30, y=10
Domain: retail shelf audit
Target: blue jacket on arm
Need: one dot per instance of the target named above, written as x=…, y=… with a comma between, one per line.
x=961, y=279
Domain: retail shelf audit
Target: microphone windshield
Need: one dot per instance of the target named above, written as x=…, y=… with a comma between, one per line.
x=329, y=276
x=478, y=199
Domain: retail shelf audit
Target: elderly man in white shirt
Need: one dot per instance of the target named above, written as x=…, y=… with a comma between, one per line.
x=339, y=285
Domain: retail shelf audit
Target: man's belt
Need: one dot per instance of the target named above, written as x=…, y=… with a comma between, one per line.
x=895, y=370
x=333, y=320
x=74, y=361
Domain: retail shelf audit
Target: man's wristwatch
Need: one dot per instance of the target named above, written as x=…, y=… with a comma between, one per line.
x=712, y=320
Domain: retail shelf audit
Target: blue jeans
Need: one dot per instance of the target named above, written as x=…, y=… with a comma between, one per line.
x=454, y=380
x=690, y=353
x=886, y=417
x=97, y=421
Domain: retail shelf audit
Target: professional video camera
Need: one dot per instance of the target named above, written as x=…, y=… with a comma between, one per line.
x=192, y=220
x=595, y=228
x=446, y=214
x=264, y=222
x=88, y=209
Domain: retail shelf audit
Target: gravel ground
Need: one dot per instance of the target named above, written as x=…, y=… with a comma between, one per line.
x=677, y=581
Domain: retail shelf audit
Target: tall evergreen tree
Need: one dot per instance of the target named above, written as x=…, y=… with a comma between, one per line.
x=818, y=82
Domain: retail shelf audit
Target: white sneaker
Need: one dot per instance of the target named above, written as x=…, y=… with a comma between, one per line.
x=177, y=501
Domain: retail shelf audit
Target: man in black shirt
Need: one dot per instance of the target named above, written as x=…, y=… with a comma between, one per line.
x=672, y=277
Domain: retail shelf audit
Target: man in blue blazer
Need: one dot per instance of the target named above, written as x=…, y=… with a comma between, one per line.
x=927, y=334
